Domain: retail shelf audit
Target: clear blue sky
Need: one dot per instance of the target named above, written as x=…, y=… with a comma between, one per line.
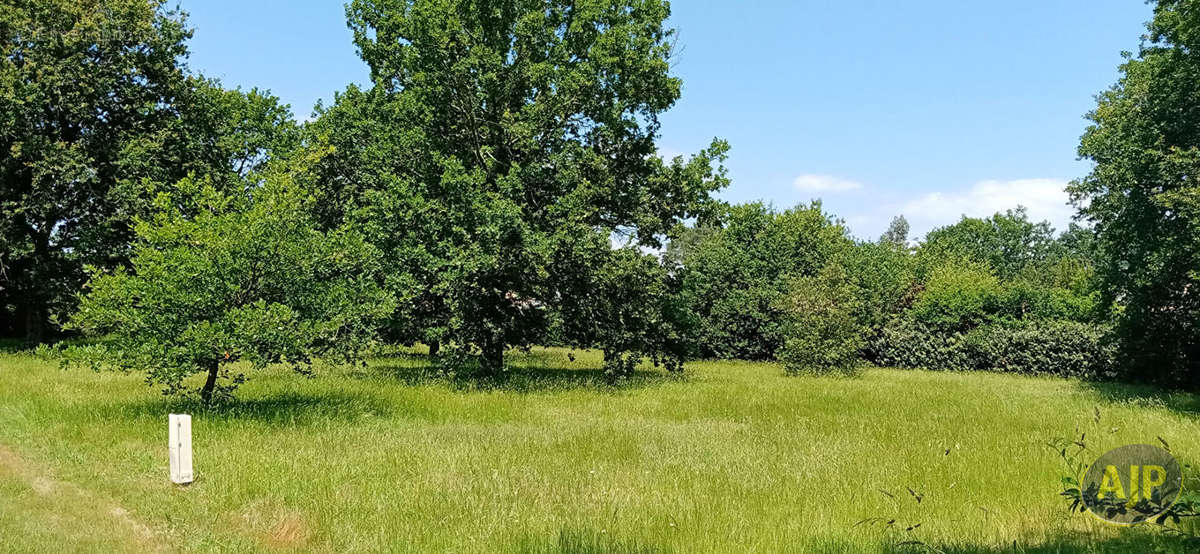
x=931, y=108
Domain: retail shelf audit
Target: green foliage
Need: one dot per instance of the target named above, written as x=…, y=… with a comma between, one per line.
x=627, y=305
x=958, y=298
x=883, y=276
x=736, y=277
x=231, y=278
x=905, y=342
x=1052, y=347
x=502, y=181
x=1046, y=319
x=1006, y=242
x=820, y=331
x=485, y=148
x=1144, y=201
x=77, y=80
x=95, y=103
x=1065, y=348
x=897, y=232
x=1024, y=300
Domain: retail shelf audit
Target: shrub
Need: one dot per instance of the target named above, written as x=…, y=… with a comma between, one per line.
x=958, y=298
x=1055, y=347
x=905, y=342
x=820, y=331
x=1023, y=300
x=1065, y=348
x=883, y=278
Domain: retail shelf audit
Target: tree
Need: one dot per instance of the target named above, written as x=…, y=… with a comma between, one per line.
x=958, y=298
x=94, y=105
x=77, y=79
x=820, y=331
x=736, y=277
x=897, y=232
x=1008, y=242
x=1144, y=201
x=627, y=304
x=229, y=278
x=884, y=281
x=509, y=126
x=686, y=240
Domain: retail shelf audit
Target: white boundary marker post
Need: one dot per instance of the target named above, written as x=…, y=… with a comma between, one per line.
x=179, y=439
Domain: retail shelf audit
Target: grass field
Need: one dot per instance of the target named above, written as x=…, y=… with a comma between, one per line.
x=731, y=457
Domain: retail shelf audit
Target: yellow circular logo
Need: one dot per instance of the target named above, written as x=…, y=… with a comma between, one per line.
x=1132, y=484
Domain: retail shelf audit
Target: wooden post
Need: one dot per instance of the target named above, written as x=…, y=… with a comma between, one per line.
x=179, y=438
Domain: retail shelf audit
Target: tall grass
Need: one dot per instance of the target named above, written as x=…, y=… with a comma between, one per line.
x=731, y=457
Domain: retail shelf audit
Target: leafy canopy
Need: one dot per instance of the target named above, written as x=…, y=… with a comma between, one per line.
x=494, y=136
x=96, y=102
x=231, y=278
x=1144, y=201
x=736, y=275
x=820, y=330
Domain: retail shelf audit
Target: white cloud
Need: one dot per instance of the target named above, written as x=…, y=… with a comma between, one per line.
x=824, y=183
x=1046, y=199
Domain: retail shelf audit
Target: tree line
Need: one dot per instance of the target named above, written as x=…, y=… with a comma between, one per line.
x=498, y=185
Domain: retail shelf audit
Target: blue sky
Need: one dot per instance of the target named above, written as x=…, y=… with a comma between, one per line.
x=930, y=108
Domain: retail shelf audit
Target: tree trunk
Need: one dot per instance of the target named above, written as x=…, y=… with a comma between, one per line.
x=35, y=321
x=211, y=383
x=37, y=304
x=434, y=348
x=492, y=361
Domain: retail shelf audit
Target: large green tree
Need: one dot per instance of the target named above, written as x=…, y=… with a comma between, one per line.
x=1144, y=200
x=1008, y=242
x=737, y=275
x=494, y=136
x=96, y=107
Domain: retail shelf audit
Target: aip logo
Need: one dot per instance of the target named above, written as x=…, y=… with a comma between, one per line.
x=1131, y=484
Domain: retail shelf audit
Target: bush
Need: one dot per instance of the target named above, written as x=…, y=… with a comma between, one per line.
x=906, y=342
x=1054, y=347
x=884, y=281
x=1023, y=299
x=1065, y=348
x=820, y=331
x=958, y=298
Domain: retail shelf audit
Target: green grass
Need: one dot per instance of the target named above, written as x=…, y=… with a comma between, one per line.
x=732, y=457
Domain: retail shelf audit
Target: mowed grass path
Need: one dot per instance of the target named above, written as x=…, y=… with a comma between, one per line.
x=732, y=457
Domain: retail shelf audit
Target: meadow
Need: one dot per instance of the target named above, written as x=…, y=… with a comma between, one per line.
x=728, y=457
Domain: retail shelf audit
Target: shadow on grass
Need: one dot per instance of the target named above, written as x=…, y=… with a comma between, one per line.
x=519, y=379
x=1144, y=395
x=584, y=541
x=13, y=346
x=528, y=371
x=590, y=541
x=1133, y=543
x=288, y=408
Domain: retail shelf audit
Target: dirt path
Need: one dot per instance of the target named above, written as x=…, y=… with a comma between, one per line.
x=71, y=505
